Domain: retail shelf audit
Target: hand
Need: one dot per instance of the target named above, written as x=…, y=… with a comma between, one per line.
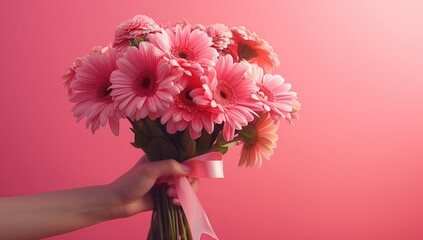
x=48, y=214
x=132, y=189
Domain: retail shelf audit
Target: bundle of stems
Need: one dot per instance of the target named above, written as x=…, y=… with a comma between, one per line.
x=168, y=221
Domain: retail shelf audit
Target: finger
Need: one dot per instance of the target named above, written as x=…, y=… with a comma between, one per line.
x=163, y=179
x=154, y=170
x=172, y=192
x=194, y=182
x=176, y=202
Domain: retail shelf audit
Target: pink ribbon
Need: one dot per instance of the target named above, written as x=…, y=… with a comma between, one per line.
x=208, y=165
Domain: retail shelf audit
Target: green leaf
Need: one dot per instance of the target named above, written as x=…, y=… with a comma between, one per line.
x=143, y=128
x=216, y=132
x=155, y=128
x=142, y=135
x=188, y=145
x=136, y=41
x=160, y=149
x=203, y=143
x=141, y=140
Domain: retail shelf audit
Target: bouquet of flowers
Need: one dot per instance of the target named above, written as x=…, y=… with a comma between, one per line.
x=190, y=92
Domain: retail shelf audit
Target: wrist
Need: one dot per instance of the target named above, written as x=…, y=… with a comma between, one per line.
x=113, y=208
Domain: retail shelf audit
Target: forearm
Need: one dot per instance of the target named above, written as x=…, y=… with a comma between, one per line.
x=48, y=214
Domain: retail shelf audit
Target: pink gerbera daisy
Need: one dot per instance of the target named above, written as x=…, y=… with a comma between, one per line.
x=259, y=139
x=92, y=97
x=70, y=74
x=220, y=34
x=229, y=93
x=145, y=83
x=137, y=27
x=248, y=46
x=186, y=113
x=273, y=93
x=188, y=49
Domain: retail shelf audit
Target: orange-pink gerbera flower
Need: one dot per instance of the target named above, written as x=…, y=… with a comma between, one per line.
x=248, y=46
x=144, y=83
x=259, y=139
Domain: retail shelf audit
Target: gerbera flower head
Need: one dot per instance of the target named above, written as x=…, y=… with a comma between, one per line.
x=70, y=74
x=137, y=27
x=185, y=113
x=228, y=92
x=190, y=50
x=145, y=83
x=259, y=139
x=273, y=93
x=199, y=27
x=220, y=34
x=92, y=94
x=248, y=46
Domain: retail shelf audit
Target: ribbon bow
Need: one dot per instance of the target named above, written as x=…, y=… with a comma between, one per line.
x=208, y=165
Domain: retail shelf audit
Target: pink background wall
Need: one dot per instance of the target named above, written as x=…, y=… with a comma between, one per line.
x=351, y=168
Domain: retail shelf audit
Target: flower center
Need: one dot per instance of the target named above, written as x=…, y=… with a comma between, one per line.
x=265, y=94
x=184, y=100
x=103, y=92
x=224, y=94
x=184, y=53
x=146, y=84
x=187, y=96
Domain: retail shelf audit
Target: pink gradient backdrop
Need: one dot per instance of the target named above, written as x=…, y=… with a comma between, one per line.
x=351, y=168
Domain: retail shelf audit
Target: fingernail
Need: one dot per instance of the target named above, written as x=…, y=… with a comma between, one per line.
x=186, y=168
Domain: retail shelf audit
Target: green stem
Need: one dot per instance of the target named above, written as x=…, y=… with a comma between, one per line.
x=168, y=220
x=185, y=220
x=221, y=143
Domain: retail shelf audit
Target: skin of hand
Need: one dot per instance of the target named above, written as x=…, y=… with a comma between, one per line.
x=52, y=213
x=133, y=188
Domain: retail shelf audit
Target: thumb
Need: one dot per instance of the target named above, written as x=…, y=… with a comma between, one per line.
x=154, y=170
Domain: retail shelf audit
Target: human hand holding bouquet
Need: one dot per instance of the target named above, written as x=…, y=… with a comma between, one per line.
x=190, y=92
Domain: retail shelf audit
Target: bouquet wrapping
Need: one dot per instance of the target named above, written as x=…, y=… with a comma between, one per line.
x=190, y=92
